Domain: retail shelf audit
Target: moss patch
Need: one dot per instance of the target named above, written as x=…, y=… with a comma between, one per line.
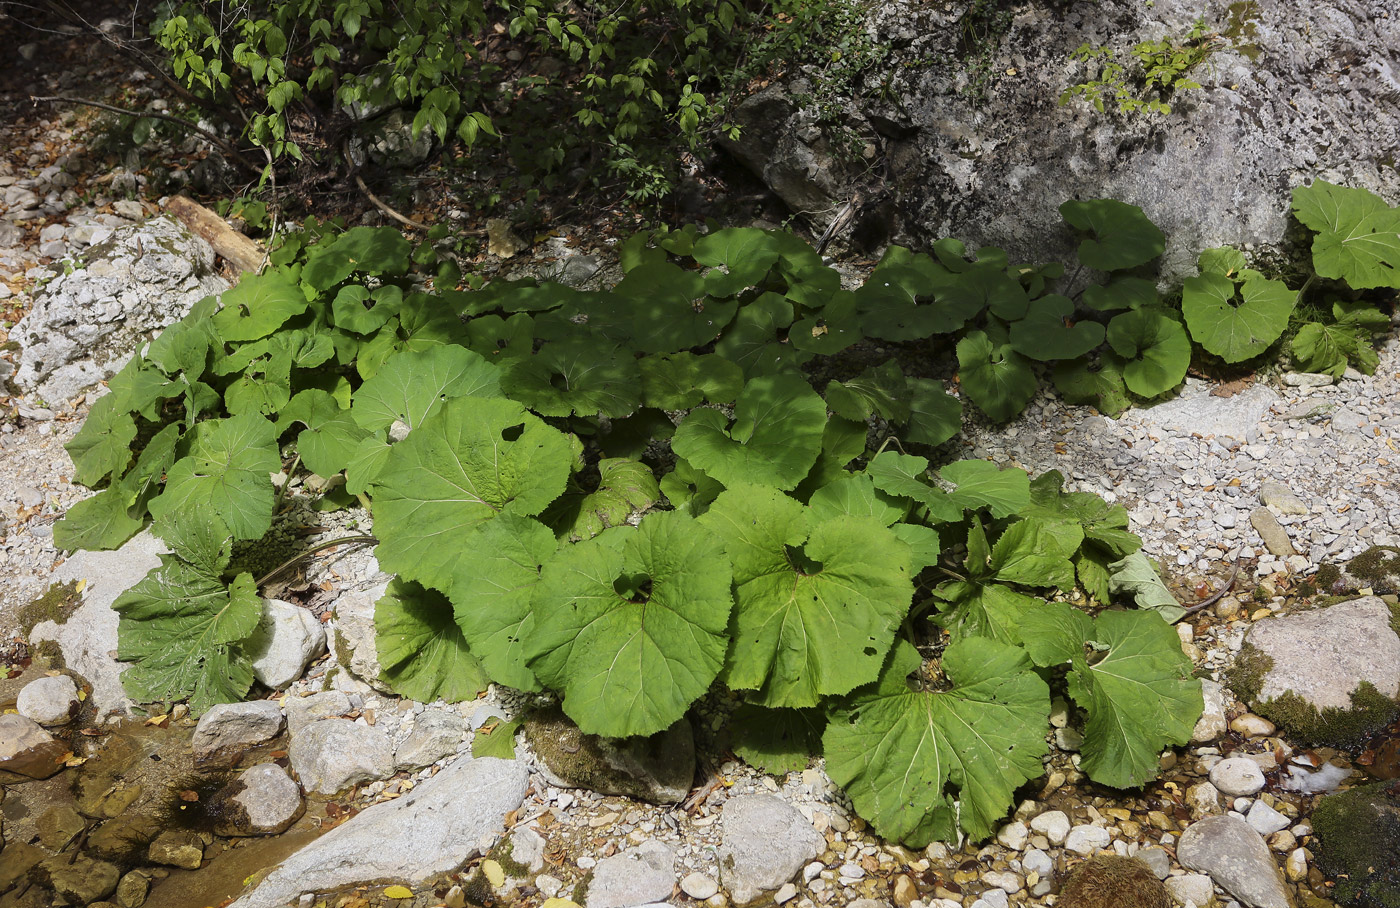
x=58, y=604
x=580, y=894
x=1370, y=709
x=1110, y=881
x=1358, y=845
x=504, y=854
x=1327, y=578
x=51, y=654
x=1378, y=567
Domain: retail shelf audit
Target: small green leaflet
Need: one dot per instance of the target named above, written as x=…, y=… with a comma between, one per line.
x=776, y=741
x=1134, y=683
x=1134, y=575
x=413, y=383
x=258, y=306
x=995, y=376
x=100, y=523
x=1155, y=347
x=1124, y=293
x=979, y=484
x=1232, y=329
x=420, y=648
x=1358, y=234
x=180, y=626
x=625, y=487
x=103, y=446
x=631, y=625
x=472, y=460
x=1119, y=235
x=1319, y=347
x=226, y=474
x=904, y=755
x=689, y=489
x=817, y=602
x=491, y=593
x=496, y=738
x=740, y=257
x=774, y=439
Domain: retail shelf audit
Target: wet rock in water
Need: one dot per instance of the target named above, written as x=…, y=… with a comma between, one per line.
x=133, y=888
x=88, y=637
x=1264, y=820
x=1328, y=676
x=286, y=640
x=637, y=876
x=1053, y=824
x=263, y=800
x=1110, y=881
x=78, y=878
x=26, y=750
x=766, y=841
x=1236, y=858
x=19, y=859
x=49, y=701
x=1237, y=776
x=58, y=826
x=333, y=754
x=325, y=705
x=433, y=829
x=229, y=729
x=176, y=848
x=436, y=734
x=1357, y=843
x=659, y=769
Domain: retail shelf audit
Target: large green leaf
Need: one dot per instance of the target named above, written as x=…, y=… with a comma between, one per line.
x=817, y=602
x=995, y=376
x=373, y=250
x=576, y=376
x=1155, y=347
x=420, y=648
x=754, y=330
x=492, y=590
x=1119, y=235
x=774, y=439
x=934, y=415
x=919, y=763
x=991, y=610
x=258, y=306
x=99, y=523
x=1098, y=384
x=776, y=741
x=470, y=461
x=1330, y=348
x=1124, y=293
x=978, y=484
x=1103, y=524
x=689, y=489
x=1358, y=234
x=679, y=381
x=831, y=329
x=669, y=310
x=180, y=626
x=1036, y=552
x=624, y=488
x=630, y=626
x=226, y=474
x=1049, y=331
x=331, y=437
x=361, y=311
x=740, y=257
x=103, y=446
x=1236, y=327
x=881, y=389
x=1129, y=674
x=414, y=383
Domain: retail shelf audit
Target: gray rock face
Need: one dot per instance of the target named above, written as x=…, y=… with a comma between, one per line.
x=1211, y=724
x=49, y=701
x=766, y=841
x=27, y=750
x=1324, y=655
x=285, y=642
x=85, y=325
x=228, y=729
x=88, y=638
x=527, y=848
x=432, y=829
x=262, y=801
x=658, y=769
x=1192, y=887
x=334, y=754
x=991, y=165
x=325, y=705
x=1195, y=410
x=177, y=848
x=80, y=879
x=1236, y=858
x=354, y=631
x=436, y=733
x=637, y=876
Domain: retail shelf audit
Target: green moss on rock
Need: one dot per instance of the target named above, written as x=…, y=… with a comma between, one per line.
x=1370, y=709
x=1110, y=881
x=1358, y=845
x=58, y=604
x=1378, y=567
x=504, y=854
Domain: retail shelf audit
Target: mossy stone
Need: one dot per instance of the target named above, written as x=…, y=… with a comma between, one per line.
x=57, y=604
x=1110, y=881
x=1358, y=845
x=1378, y=567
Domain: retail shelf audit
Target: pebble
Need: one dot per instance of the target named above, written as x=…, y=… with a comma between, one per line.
x=49, y=701
x=1087, y=840
x=1251, y=726
x=699, y=886
x=1053, y=824
x=1237, y=776
x=1265, y=820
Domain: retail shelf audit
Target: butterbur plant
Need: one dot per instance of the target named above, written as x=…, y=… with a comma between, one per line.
x=627, y=497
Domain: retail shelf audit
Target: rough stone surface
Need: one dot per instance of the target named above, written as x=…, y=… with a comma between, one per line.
x=659, y=769
x=433, y=829
x=286, y=640
x=1191, y=887
x=27, y=750
x=1215, y=172
x=80, y=879
x=1053, y=824
x=176, y=848
x=1237, y=776
x=1195, y=410
x=1087, y=840
x=333, y=754
x=436, y=734
x=1272, y=533
x=84, y=325
x=1316, y=654
x=228, y=729
x=324, y=705
x=699, y=886
x=1280, y=498
x=354, y=634
x=88, y=639
x=49, y=701
x=262, y=801
x=527, y=848
x=1236, y=858
x=766, y=841
x=638, y=876
x=1211, y=724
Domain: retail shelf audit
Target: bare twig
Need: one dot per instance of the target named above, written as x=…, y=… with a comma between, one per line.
x=156, y=115
x=360, y=182
x=344, y=540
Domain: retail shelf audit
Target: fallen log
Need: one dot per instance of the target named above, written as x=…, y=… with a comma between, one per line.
x=242, y=253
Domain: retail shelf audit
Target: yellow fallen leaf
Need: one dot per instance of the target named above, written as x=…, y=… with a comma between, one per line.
x=80, y=586
x=559, y=903
x=398, y=892
x=494, y=872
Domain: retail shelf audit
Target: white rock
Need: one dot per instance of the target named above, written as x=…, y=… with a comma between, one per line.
x=1087, y=840
x=1265, y=819
x=699, y=886
x=49, y=701
x=333, y=754
x=267, y=802
x=1053, y=824
x=638, y=876
x=1252, y=726
x=527, y=848
x=1211, y=724
x=1191, y=887
x=228, y=729
x=287, y=638
x=436, y=734
x=1237, y=776
x=1013, y=835
x=785, y=893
